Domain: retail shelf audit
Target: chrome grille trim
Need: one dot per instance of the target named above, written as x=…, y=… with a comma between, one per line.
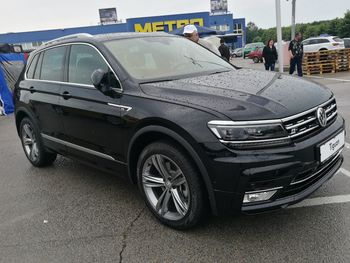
x=306, y=122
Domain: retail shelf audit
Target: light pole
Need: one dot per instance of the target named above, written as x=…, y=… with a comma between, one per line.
x=279, y=35
x=293, y=19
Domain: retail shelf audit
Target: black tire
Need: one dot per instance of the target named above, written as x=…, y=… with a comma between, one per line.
x=197, y=201
x=234, y=55
x=41, y=157
x=256, y=60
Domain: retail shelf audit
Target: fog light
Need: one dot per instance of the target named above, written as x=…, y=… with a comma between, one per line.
x=250, y=197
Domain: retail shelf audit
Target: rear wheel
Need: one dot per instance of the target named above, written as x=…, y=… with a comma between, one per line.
x=170, y=185
x=256, y=60
x=33, y=146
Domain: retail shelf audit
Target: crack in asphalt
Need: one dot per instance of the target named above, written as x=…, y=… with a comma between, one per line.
x=126, y=232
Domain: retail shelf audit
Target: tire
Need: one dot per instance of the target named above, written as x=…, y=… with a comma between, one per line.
x=234, y=55
x=256, y=60
x=161, y=189
x=33, y=146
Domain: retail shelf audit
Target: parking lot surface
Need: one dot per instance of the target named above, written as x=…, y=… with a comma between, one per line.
x=72, y=213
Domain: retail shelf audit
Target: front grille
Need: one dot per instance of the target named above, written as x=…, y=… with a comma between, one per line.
x=305, y=123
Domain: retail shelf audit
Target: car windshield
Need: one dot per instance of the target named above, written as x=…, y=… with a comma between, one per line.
x=157, y=58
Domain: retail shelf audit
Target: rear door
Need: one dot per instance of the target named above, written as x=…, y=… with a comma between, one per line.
x=91, y=119
x=43, y=82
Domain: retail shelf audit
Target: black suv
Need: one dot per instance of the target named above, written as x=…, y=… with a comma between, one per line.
x=189, y=128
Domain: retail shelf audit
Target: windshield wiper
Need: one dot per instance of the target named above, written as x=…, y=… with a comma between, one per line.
x=197, y=62
x=193, y=61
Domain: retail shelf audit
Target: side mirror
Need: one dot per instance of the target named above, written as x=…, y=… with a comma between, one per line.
x=103, y=82
x=97, y=78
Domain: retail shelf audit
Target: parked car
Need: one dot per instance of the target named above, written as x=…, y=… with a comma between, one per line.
x=187, y=127
x=251, y=47
x=316, y=44
x=238, y=52
x=256, y=55
x=346, y=42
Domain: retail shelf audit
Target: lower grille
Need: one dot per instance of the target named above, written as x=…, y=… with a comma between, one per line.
x=308, y=178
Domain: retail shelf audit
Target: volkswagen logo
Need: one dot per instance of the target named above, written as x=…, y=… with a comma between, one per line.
x=322, y=117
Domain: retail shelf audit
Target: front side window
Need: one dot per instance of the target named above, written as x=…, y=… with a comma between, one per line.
x=83, y=61
x=156, y=58
x=53, y=64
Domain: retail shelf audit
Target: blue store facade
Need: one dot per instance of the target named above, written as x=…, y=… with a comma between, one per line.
x=235, y=28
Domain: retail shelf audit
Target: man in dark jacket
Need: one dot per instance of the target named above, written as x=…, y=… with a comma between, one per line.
x=296, y=51
x=224, y=50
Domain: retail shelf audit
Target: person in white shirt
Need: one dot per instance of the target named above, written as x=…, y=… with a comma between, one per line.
x=191, y=33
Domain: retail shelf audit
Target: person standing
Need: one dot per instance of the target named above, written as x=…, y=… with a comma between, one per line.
x=224, y=50
x=191, y=33
x=270, y=55
x=296, y=51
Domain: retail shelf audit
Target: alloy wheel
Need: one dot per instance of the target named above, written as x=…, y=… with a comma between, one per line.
x=29, y=143
x=166, y=187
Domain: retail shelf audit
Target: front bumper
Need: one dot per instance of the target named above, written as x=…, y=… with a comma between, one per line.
x=295, y=170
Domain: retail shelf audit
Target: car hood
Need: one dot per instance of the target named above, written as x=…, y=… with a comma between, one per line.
x=243, y=94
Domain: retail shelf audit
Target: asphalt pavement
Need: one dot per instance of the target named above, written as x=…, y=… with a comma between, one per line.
x=72, y=213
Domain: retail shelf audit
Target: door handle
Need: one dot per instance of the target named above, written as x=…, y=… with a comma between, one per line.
x=32, y=90
x=66, y=95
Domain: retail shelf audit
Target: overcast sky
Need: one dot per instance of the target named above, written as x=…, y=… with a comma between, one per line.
x=42, y=14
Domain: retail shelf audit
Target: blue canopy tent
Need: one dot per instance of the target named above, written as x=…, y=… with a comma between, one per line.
x=11, y=65
x=202, y=31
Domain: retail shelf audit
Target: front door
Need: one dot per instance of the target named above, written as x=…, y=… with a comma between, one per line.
x=91, y=119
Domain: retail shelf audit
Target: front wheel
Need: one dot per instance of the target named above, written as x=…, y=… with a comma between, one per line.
x=170, y=185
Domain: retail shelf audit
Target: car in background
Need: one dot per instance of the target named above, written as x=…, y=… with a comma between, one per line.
x=346, y=42
x=256, y=55
x=315, y=44
x=251, y=47
x=238, y=52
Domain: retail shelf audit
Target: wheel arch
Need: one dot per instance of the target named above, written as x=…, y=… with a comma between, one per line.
x=22, y=113
x=155, y=132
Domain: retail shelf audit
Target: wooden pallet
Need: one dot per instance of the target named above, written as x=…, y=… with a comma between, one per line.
x=328, y=61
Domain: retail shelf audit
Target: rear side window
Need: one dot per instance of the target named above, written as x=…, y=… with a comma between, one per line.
x=38, y=67
x=321, y=41
x=337, y=39
x=83, y=61
x=31, y=69
x=53, y=64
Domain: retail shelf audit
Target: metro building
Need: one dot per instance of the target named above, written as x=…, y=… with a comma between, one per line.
x=234, y=28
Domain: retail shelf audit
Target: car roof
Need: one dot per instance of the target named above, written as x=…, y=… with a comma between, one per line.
x=329, y=37
x=93, y=39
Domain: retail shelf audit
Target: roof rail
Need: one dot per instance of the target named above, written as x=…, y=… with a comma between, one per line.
x=80, y=35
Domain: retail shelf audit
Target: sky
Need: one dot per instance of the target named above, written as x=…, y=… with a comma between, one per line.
x=45, y=14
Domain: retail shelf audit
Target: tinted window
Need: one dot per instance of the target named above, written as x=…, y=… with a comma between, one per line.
x=337, y=39
x=320, y=41
x=83, y=61
x=53, y=64
x=306, y=42
x=30, y=72
x=38, y=67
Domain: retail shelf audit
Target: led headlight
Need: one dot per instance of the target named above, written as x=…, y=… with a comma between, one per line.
x=250, y=134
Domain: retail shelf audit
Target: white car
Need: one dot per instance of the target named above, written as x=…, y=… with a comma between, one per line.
x=315, y=44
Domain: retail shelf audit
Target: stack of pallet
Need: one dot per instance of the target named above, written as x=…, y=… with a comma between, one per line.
x=328, y=61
